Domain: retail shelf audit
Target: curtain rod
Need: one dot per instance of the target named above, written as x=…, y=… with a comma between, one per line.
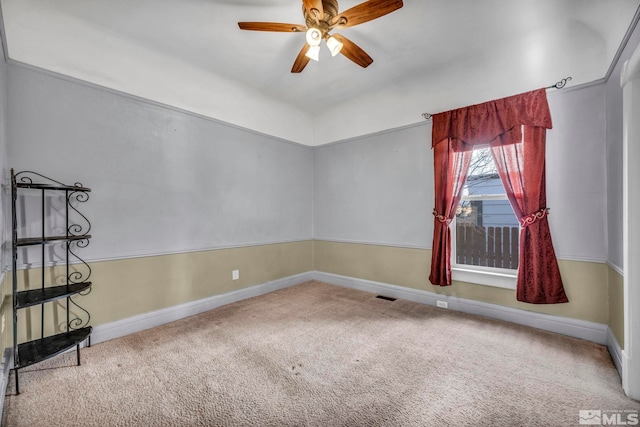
x=559, y=85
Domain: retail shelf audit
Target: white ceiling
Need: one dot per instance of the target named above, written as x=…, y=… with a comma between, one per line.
x=429, y=56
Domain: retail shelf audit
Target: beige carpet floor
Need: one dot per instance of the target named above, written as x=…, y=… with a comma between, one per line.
x=321, y=355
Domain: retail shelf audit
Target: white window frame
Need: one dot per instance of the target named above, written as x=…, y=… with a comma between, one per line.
x=488, y=276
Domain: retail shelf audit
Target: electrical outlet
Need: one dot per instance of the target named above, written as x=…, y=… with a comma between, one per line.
x=235, y=274
x=442, y=304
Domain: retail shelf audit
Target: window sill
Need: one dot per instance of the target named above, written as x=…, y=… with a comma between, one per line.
x=505, y=280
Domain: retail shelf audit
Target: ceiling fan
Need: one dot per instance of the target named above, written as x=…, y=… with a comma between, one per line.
x=321, y=17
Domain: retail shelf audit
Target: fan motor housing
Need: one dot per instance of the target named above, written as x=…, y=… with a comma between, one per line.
x=330, y=9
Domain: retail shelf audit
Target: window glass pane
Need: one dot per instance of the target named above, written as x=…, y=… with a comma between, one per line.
x=487, y=232
x=482, y=177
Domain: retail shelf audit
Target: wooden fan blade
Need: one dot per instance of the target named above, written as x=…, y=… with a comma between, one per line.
x=353, y=51
x=301, y=60
x=367, y=11
x=272, y=26
x=310, y=5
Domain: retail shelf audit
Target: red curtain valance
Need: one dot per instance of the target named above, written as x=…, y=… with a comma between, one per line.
x=482, y=123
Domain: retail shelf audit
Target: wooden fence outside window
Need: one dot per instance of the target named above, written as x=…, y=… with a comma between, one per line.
x=487, y=246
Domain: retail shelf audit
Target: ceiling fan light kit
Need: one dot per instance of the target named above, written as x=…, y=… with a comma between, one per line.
x=314, y=36
x=313, y=53
x=334, y=45
x=321, y=17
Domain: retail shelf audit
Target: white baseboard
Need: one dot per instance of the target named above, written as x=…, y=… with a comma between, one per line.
x=614, y=350
x=590, y=331
x=582, y=329
x=141, y=322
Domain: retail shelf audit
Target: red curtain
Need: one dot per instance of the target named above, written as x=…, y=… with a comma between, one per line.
x=450, y=170
x=522, y=170
x=515, y=127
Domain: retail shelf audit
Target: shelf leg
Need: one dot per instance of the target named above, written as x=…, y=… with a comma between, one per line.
x=15, y=371
x=78, y=353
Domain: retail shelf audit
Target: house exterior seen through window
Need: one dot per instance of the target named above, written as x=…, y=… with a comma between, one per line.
x=486, y=229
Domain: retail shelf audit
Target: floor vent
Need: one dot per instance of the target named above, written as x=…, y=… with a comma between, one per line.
x=385, y=298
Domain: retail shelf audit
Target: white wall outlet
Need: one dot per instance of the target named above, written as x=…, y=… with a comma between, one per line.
x=235, y=274
x=442, y=304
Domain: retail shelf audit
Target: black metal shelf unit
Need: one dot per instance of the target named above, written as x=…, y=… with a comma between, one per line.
x=75, y=280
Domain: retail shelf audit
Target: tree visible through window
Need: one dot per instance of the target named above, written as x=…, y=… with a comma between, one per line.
x=486, y=228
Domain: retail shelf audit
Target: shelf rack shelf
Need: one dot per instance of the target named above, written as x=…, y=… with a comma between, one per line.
x=43, y=295
x=30, y=241
x=35, y=351
x=75, y=282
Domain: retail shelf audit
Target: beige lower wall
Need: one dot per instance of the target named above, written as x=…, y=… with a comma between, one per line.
x=616, y=304
x=585, y=282
x=6, y=312
x=129, y=287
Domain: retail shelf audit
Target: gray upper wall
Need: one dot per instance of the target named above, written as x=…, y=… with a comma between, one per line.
x=162, y=181
x=576, y=173
x=376, y=189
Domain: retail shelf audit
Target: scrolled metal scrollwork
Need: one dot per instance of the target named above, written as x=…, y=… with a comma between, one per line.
x=77, y=276
x=77, y=229
x=79, y=320
x=81, y=243
x=79, y=196
x=559, y=85
x=78, y=316
x=26, y=179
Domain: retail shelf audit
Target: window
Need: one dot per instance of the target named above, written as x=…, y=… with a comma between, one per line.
x=516, y=128
x=485, y=241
